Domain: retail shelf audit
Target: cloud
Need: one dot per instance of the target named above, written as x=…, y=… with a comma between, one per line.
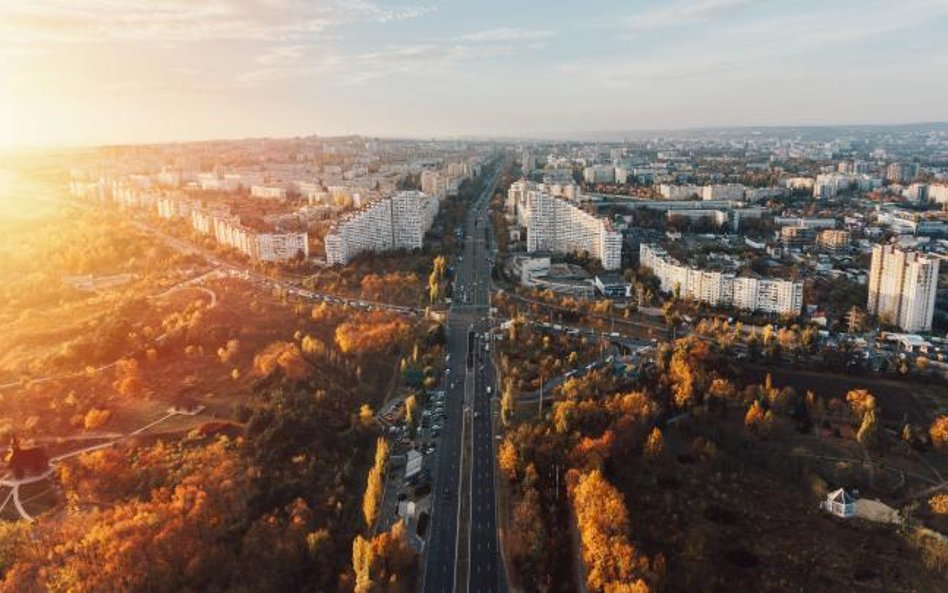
x=508, y=34
x=681, y=13
x=79, y=21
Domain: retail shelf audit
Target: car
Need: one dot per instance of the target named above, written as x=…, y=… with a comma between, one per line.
x=446, y=494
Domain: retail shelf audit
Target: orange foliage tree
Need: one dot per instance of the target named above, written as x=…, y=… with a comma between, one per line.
x=374, y=332
x=603, y=520
x=285, y=356
x=939, y=432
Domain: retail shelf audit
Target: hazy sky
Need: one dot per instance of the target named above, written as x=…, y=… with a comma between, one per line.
x=94, y=71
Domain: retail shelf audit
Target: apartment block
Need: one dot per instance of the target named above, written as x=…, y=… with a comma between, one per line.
x=902, y=287
x=268, y=192
x=397, y=222
x=834, y=240
x=724, y=289
x=556, y=225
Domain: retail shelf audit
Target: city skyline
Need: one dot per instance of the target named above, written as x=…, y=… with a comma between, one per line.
x=129, y=72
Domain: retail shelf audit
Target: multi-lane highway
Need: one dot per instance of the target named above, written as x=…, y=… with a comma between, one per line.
x=466, y=397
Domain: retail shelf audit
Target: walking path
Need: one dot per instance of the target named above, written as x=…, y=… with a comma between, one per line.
x=14, y=484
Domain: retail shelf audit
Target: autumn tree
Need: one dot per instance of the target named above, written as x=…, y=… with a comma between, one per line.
x=374, y=332
x=868, y=434
x=939, y=504
x=759, y=421
x=654, y=445
x=228, y=351
x=603, y=521
x=861, y=401
x=96, y=418
x=508, y=458
x=508, y=404
x=375, y=483
x=362, y=559
x=285, y=356
x=411, y=414
x=128, y=378
x=939, y=432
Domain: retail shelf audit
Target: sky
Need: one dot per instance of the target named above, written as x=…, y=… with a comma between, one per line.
x=129, y=71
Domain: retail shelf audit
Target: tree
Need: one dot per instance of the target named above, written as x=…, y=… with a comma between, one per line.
x=868, y=435
x=128, y=378
x=603, y=521
x=655, y=444
x=759, y=421
x=508, y=459
x=939, y=432
x=285, y=356
x=228, y=351
x=939, y=504
x=362, y=559
x=411, y=414
x=507, y=404
x=375, y=484
x=861, y=401
x=96, y=418
x=366, y=415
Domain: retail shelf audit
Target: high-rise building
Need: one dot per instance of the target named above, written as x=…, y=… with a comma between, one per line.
x=901, y=172
x=528, y=161
x=902, y=287
x=554, y=224
x=397, y=222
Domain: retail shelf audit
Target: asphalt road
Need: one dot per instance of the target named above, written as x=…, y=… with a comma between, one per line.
x=472, y=278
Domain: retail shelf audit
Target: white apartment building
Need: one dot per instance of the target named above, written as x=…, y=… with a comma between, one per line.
x=902, y=287
x=770, y=295
x=830, y=184
x=554, y=224
x=268, y=192
x=517, y=195
x=397, y=222
x=281, y=246
x=938, y=193
x=599, y=174
x=227, y=230
x=729, y=191
x=679, y=192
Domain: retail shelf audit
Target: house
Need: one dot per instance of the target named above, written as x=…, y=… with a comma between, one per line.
x=840, y=503
x=24, y=462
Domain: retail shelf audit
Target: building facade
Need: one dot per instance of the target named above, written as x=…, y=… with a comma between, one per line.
x=902, y=287
x=396, y=222
x=722, y=289
x=556, y=225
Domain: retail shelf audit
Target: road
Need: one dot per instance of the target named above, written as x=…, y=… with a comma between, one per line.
x=464, y=389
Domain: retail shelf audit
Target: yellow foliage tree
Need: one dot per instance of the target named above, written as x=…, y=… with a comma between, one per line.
x=655, y=444
x=96, y=418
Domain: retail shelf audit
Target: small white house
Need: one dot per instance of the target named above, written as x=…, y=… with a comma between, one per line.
x=840, y=503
